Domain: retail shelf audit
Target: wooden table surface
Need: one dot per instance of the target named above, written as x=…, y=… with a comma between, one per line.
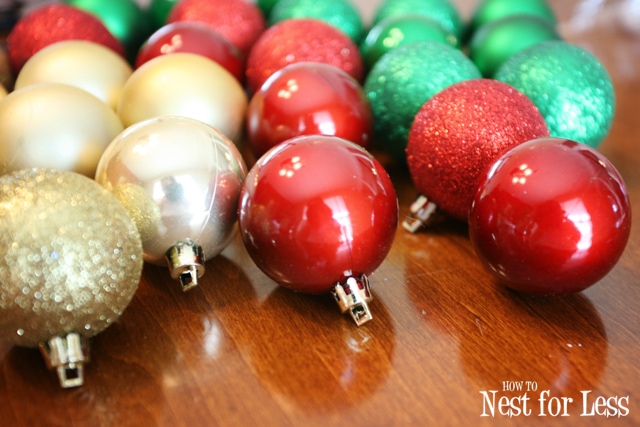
x=240, y=351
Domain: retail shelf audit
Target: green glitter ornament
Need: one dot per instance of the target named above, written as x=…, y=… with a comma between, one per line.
x=496, y=41
x=400, y=30
x=570, y=87
x=492, y=10
x=441, y=11
x=158, y=12
x=123, y=18
x=403, y=80
x=339, y=13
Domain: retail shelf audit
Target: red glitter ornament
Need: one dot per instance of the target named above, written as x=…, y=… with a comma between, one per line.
x=239, y=22
x=301, y=40
x=53, y=23
x=460, y=131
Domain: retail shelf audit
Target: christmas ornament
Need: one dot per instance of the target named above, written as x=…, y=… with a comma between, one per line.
x=403, y=80
x=238, y=21
x=184, y=84
x=71, y=262
x=266, y=6
x=3, y=91
x=400, y=30
x=158, y=11
x=54, y=125
x=317, y=214
x=492, y=10
x=192, y=37
x=340, y=13
x=461, y=130
x=550, y=217
x=86, y=65
x=180, y=180
x=123, y=18
x=52, y=23
x=301, y=40
x=441, y=11
x=570, y=87
x=308, y=98
x=498, y=40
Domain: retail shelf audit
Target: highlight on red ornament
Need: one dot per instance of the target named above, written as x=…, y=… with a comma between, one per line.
x=318, y=214
x=550, y=217
x=308, y=98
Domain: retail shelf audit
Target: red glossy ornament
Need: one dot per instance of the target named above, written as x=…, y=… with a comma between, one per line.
x=52, y=23
x=240, y=22
x=461, y=130
x=550, y=217
x=304, y=99
x=317, y=214
x=192, y=37
x=301, y=40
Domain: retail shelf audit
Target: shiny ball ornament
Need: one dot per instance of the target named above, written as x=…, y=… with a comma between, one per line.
x=52, y=23
x=192, y=37
x=86, y=65
x=54, y=125
x=180, y=179
x=184, y=84
x=400, y=30
x=301, y=40
x=492, y=10
x=550, y=217
x=318, y=214
x=570, y=87
x=240, y=22
x=443, y=12
x=158, y=12
x=71, y=262
x=340, y=13
x=497, y=41
x=460, y=131
x=403, y=80
x=123, y=18
x=304, y=99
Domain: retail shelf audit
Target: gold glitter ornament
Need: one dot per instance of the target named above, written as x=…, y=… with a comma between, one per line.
x=70, y=262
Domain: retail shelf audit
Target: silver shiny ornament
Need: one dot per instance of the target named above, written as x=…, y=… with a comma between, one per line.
x=70, y=262
x=180, y=179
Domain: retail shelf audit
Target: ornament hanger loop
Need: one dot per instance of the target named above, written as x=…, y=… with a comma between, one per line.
x=353, y=296
x=423, y=211
x=67, y=355
x=186, y=263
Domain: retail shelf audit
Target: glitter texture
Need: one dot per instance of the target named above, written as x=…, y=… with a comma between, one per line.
x=460, y=132
x=403, y=80
x=238, y=21
x=49, y=24
x=570, y=87
x=339, y=13
x=300, y=40
x=441, y=11
x=70, y=256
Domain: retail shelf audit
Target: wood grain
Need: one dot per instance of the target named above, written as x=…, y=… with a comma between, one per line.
x=240, y=351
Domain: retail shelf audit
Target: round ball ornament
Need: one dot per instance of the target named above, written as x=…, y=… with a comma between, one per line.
x=403, y=80
x=192, y=37
x=52, y=23
x=460, y=131
x=54, y=125
x=550, y=217
x=340, y=13
x=400, y=30
x=301, y=40
x=318, y=214
x=492, y=10
x=308, y=98
x=180, y=179
x=86, y=65
x=71, y=263
x=570, y=87
x=498, y=40
x=184, y=84
x=443, y=12
x=123, y=18
x=240, y=22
